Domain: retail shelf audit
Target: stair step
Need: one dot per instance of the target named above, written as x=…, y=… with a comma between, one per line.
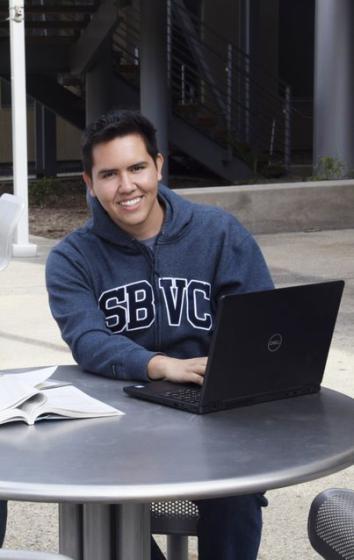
x=129, y=72
x=196, y=114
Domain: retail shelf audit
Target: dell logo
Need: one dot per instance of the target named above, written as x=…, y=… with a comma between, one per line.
x=275, y=342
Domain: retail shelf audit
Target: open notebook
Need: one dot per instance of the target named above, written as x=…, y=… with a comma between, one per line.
x=30, y=396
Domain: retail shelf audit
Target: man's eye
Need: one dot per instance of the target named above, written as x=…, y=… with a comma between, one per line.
x=137, y=168
x=107, y=174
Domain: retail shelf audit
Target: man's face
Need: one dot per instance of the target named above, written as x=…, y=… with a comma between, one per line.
x=125, y=181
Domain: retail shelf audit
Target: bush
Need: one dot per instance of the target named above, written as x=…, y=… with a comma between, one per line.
x=328, y=169
x=40, y=189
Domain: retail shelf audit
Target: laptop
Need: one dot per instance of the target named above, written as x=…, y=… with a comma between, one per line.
x=265, y=346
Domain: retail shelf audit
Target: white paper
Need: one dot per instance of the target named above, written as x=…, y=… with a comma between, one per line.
x=32, y=377
x=72, y=401
x=17, y=388
x=26, y=396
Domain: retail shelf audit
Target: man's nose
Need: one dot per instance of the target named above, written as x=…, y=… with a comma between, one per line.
x=125, y=183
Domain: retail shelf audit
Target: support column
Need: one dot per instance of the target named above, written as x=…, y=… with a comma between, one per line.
x=333, y=87
x=153, y=71
x=71, y=530
x=22, y=247
x=97, y=529
x=134, y=539
x=46, y=142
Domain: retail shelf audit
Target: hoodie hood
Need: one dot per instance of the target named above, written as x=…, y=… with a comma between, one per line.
x=178, y=217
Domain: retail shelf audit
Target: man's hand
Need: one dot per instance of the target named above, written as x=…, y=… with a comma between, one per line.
x=191, y=370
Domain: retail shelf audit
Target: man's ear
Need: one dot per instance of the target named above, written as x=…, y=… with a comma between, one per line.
x=89, y=184
x=159, y=165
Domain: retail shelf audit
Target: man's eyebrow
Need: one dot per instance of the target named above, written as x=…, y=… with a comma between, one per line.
x=104, y=171
x=143, y=162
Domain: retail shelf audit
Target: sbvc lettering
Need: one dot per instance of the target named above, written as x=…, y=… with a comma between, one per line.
x=132, y=307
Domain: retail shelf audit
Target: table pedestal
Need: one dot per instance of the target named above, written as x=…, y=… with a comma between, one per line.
x=108, y=532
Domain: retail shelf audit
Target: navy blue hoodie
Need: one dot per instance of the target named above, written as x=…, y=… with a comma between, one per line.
x=118, y=303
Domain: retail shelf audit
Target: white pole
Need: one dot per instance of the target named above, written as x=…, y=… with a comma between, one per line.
x=22, y=247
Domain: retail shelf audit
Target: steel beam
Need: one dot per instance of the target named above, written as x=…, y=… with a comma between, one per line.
x=87, y=49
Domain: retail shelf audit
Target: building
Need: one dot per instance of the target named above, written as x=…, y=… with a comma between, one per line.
x=240, y=86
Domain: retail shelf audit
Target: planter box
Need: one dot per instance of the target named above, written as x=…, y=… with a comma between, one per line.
x=284, y=207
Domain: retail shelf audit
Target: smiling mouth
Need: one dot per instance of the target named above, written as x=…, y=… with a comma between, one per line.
x=131, y=202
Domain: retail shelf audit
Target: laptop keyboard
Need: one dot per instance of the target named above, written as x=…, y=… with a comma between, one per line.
x=185, y=394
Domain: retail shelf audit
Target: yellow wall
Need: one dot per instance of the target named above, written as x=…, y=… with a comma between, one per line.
x=68, y=141
x=68, y=138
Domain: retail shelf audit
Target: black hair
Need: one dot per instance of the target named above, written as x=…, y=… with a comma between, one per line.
x=116, y=124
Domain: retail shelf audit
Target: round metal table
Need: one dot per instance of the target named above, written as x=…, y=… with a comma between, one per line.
x=154, y=452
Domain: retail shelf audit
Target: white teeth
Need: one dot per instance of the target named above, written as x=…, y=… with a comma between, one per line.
x=130, y=202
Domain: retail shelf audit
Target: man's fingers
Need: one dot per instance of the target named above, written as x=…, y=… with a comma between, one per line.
x=196, y=379
x=195, y=376
x=203, y=360
x=200, y=369
x=198, y=364
x=190, y=370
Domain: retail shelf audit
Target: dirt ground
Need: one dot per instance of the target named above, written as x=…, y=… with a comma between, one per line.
x=55, y=223
x=56, y=207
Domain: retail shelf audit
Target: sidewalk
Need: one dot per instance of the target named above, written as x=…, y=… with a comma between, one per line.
x=29, y=337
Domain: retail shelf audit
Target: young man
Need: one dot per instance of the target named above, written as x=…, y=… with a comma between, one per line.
x=135, y=290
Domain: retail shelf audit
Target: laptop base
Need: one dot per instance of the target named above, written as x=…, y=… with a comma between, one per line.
x=155, y=392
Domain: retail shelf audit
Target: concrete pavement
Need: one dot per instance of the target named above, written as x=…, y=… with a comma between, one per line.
x=29, y=337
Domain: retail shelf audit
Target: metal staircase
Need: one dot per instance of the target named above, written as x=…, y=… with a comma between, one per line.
x=220, y=108
x=226, y=112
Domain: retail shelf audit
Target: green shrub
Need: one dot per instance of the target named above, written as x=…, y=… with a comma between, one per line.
x=40, y=190
x=328, y=169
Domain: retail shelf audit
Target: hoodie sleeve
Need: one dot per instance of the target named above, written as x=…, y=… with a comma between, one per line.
x=82, y=324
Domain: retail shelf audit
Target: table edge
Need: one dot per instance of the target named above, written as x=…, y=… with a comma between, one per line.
x=193, y=490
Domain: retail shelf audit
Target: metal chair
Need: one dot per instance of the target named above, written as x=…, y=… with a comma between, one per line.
x=177, y=519
x=11, y=207
x=331, y=524
x=30, y=555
